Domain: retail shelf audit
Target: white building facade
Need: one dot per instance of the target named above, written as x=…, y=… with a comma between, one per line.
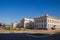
x=47, y=22
x=15, y=25
x=26, y=22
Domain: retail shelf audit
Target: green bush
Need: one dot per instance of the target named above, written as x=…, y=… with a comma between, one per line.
x=7, y=28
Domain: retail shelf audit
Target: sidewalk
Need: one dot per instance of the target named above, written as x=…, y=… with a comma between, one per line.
x=31, y=31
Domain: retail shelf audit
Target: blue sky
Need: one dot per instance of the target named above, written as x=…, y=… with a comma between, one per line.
x=15, y=10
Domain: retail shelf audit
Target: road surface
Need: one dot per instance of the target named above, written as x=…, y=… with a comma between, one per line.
x=23, y=36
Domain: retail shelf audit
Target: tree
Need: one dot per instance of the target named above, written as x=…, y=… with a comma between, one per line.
x=53, y=28
x=0, y=24
x=3, y=25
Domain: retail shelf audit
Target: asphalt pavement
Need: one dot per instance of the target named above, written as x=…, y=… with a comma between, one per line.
x=23, y=36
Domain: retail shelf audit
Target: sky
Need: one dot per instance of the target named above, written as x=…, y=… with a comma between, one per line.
x=14, y=10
